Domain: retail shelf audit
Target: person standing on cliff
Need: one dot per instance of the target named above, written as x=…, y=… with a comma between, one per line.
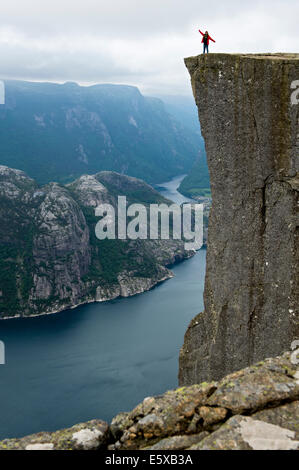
x=206, y=41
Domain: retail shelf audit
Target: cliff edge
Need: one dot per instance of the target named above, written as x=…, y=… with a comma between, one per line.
x=248, y=108
x=253, y=409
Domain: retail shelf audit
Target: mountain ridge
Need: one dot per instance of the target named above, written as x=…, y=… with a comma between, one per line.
x=250, y=124
x=50, y=258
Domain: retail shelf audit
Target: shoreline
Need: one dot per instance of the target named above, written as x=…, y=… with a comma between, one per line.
x=113, y=297
x=91, y=301
x=116, y=296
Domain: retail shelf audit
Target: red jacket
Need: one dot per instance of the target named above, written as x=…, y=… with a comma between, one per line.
x=209, y=37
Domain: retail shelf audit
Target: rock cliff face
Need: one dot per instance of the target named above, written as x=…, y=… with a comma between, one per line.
x=248, y=109
x=254, y=409
x=50, y=258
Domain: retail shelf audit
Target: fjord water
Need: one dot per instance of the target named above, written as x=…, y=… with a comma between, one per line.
x=98, y=359
x=169, y=190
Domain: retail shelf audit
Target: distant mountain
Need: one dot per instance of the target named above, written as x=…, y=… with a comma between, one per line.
x=50, y=258
x=58, y=132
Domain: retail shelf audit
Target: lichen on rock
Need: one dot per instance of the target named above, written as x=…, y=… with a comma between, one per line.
x=93, y=435
x=263, y=391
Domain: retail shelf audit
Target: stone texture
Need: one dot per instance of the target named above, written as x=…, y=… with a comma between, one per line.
x=265, y=384
x=285, y=416
x=60, y=250
x=178, y=442
x=93, y=435
x=269, y=391
x=166, y=415
x=251, y=133
x=245, y=433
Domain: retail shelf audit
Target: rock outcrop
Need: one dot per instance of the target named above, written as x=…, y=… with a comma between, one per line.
x=57, y=132
x=50, y=258
x=93, y=435
x=255, y=408
x=248, y=109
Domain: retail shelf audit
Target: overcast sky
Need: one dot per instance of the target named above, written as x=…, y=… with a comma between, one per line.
x=136, y=42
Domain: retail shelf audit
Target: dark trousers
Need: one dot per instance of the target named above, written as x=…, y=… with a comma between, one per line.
x=205, y=48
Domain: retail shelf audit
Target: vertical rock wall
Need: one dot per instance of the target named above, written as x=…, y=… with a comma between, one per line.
x=249, y=114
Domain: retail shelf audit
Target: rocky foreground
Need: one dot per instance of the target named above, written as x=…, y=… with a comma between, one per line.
x=253, y=409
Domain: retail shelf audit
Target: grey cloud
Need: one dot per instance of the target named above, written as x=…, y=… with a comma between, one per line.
x=126, y=17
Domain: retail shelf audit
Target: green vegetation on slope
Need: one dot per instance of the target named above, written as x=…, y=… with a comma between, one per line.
x=59, y=132
x=197, y=182
x=50, y=258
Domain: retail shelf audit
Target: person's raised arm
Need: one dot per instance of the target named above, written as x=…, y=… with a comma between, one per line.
x=201, y=32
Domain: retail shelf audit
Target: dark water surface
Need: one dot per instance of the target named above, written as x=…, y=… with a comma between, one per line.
x=98, y=359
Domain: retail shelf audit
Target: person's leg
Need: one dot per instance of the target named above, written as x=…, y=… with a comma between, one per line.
x=207, y=49
x=204, y=48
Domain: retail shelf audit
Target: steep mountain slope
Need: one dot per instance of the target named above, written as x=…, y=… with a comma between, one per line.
x=197, y=182
x=249, y=113
x=58, y=132
x=50, y=258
